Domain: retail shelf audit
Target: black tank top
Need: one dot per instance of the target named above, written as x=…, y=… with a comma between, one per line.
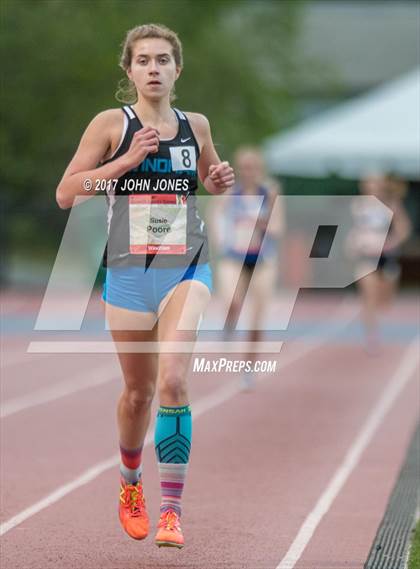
x=152, y=209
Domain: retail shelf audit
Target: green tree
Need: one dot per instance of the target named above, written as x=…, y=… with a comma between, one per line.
x=60, y=68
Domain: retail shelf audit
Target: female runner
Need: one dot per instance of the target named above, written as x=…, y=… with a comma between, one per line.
x=157, y=259
x=251, y=224
x=370, y=226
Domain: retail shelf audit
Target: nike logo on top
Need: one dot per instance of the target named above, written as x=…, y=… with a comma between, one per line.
x=185, y=139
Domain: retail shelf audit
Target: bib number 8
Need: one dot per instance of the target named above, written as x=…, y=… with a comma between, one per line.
x=186, y=160
x=183, y=158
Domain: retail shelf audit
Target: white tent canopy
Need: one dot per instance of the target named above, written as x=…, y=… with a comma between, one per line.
x=379, y=131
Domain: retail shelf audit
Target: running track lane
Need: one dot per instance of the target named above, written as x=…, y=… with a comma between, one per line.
x=260, y=461
x=43, y=440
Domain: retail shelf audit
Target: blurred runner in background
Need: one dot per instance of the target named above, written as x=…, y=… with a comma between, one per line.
x=370, y=224
x=249, y=223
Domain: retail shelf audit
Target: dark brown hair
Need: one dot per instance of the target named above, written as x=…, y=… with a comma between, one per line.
x=126, y=92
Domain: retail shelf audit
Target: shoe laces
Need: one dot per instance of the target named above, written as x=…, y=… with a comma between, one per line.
x=132, y=496
x=170, y=520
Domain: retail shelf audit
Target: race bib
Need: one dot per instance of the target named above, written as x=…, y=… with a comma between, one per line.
x=183, y=158
x=158, y=224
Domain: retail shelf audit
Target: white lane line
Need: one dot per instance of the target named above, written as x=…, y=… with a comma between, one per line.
x=342, y=317
x=199, y=408
x=55, y=496
x=399, y=380
x=91, y=378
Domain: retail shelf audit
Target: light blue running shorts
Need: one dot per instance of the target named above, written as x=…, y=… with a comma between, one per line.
x=136, y=289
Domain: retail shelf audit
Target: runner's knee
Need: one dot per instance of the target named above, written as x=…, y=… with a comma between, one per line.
x=138, y=400
x=172, y=385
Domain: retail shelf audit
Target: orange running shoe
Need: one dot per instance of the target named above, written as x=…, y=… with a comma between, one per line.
x=169, y=530
x=132, y=510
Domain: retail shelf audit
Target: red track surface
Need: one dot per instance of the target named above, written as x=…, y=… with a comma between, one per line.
x=260, y=462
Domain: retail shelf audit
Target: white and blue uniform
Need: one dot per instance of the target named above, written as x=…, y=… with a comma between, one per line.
x=373, y=222
x=239, y=222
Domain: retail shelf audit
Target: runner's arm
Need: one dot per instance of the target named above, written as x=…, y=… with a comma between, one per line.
x=93, y=146
x=400, y=228
x=82, y=176
x=216, y=176
x=276, y=223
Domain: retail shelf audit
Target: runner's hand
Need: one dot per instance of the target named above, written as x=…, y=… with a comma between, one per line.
x=222, y=175
x=145, y=141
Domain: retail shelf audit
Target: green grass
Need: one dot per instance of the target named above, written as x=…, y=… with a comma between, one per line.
x=414, y=561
